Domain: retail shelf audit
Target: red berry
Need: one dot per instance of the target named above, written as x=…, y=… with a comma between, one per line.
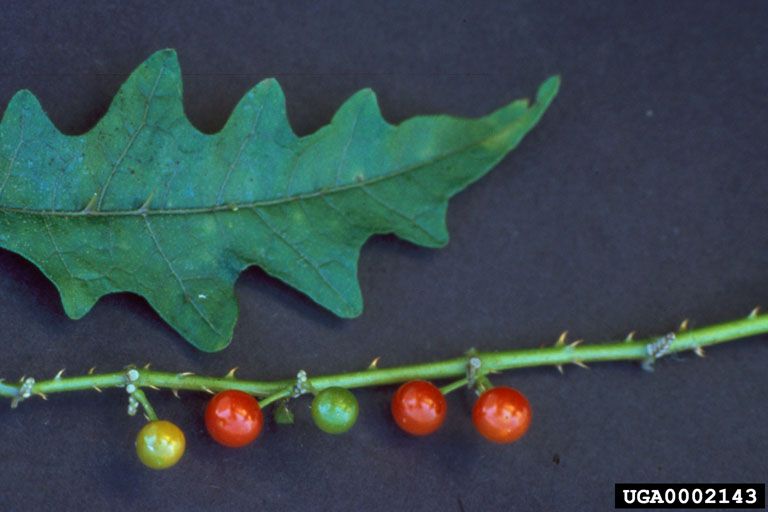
x=234, y=418
x=502, y=414
x=419, y=407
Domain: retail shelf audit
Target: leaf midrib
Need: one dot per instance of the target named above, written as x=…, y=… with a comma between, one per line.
x=233, y=207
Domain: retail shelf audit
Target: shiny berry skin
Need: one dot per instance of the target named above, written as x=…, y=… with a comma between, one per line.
x=234, y=418
x=160, y=444
x=334, y=410
x=502, y=414
x=418, y=407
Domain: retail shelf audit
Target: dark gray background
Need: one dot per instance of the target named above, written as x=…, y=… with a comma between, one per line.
x=640, y=200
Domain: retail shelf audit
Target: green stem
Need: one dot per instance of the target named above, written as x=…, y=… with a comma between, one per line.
x=274, y=397
x=453, y=386
x=483, y=384
x=557, y=355
x=144, y=401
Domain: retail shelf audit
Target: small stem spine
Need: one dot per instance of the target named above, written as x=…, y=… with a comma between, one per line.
x=492, y=362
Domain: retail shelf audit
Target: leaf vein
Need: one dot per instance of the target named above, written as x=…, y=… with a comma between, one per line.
x=15, y=155
x=133, y=138
x=400, y=214
x=343, y=157
x=302, y=256
x=56, y=248
x=178, y=278
x=236, y=160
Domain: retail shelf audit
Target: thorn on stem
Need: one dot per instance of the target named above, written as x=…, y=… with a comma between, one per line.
x=231, y=373
x=630, y=337
x=561, y=339
x=93, y=369
x=175, y=393
x=683, y=326
x=59, y=374
x=91, y=203
x=575, y=343
x=374, y=364
x=144, y=208
x=754, y=313
x=699, y=352
x=184, y=374
x=560, y=369
x=580, y=364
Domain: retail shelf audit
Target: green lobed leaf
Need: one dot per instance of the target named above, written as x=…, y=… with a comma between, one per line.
x=146, y=203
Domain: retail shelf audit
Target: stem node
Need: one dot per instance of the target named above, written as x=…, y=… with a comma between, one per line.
x=24, y=391
x=302, y=385
x=657, y=349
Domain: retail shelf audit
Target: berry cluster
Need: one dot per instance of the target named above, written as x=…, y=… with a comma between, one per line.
x=235, y=419
x=500, y=414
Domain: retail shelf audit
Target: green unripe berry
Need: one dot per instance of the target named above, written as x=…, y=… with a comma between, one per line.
x=334, y=410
